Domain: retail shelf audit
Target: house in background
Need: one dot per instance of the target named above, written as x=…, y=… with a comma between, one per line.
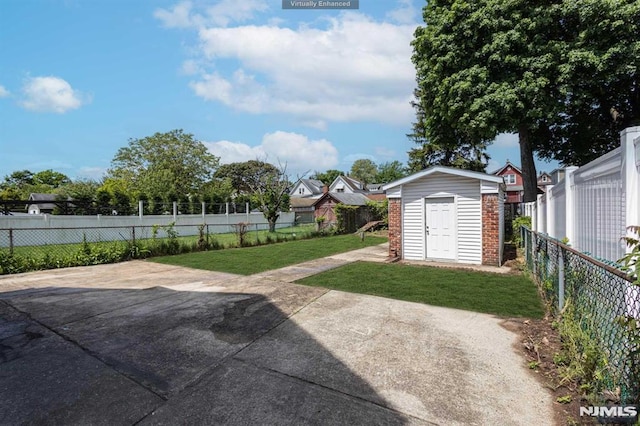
x=307, y=188
x=513, y=180
x=447, y=214
x=347, y=185
x=544, y=180
x=42, y=203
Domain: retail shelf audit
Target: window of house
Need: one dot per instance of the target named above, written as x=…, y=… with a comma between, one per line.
x=544, y=178
x=339, y=189
x=301, y=191
x=510, y=179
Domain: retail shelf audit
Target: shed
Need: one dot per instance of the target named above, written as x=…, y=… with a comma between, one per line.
x=447, y=214
x=325, y=207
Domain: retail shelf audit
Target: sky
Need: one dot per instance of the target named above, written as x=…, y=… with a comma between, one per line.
x=312, y=89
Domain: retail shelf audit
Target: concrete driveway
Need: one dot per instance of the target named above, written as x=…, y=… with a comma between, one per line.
x=140, y=342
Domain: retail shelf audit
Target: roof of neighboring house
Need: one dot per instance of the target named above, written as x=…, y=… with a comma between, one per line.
x=300, y=202
x=445, y=170
x=314, y=185
x=377, y=197
x=374, y=187
x=354, y=184
x=42, y=197
x=43, y=201
x=356, y=199
x=507, y=164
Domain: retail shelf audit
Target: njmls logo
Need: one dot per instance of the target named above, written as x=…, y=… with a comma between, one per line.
x=614, y=413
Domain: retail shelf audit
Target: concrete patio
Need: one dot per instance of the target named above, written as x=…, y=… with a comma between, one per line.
x=140, y=342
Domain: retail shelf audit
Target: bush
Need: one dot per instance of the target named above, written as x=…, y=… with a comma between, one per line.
x=517, y=223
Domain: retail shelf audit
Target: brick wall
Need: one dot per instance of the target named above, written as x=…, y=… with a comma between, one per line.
x=395, y=227
x=490, y=230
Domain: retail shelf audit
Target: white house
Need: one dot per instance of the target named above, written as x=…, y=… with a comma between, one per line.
x=447, y=214
x=307, y=188
x=347, y=185
x=42, y=203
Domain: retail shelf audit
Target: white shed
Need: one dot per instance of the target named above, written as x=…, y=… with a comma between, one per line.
x=447, y=214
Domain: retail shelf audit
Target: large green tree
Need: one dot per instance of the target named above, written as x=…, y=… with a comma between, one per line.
x=439, y=144
x=390, y=171
x=246, y=175
x=327, y=177
x=364, y=170
x=165, y=162
x=560, y=73
x=599, y=80
x=51, y=178
x=486, y=67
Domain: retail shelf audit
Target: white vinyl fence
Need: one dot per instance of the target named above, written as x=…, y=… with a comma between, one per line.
x=594, y=204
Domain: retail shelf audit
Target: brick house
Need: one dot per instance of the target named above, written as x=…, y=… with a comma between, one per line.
x=447, y=214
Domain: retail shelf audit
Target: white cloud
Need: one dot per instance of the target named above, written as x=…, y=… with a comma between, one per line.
x=227, y=11
x=4, y=92
x=50, y=94
x=191, y=67
x=341, y=69
x=177, y=17
x=506, y=140
x=405, y=13
x=182, y=15
x=295, y=150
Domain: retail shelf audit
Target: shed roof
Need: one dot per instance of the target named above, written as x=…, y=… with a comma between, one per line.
x=355, y=199
x=446, y=170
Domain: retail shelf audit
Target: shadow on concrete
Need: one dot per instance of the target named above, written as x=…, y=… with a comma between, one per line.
x=160, y=356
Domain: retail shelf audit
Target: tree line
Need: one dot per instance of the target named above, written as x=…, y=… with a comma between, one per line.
x=176, y=167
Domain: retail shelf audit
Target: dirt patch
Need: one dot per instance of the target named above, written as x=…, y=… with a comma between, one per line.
x=538, y=342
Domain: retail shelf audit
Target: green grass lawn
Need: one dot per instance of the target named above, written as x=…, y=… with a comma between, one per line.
x=505, y=295
x=251, y=260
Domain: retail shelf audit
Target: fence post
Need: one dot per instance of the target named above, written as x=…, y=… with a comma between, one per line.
x=175, y=211
x=10, y=241
x=246, y=206
x=133, y=235
x=204, y=209
x=629, y=139
x=570, y=207
x=140, y=208
x=534, y=255
x=560, y=278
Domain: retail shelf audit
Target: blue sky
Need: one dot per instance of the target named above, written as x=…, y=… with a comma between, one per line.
x=312, y=89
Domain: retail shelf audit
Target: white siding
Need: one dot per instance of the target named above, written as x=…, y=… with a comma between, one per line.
x=489, y=187
x=468, y=213
x=395, y=192
x=339, y=185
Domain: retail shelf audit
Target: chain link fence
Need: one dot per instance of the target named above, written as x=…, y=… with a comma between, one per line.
x=600, y=297
x=25, y=249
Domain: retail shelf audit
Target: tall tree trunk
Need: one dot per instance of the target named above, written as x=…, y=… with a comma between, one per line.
x=272, y=223
x=529, y=175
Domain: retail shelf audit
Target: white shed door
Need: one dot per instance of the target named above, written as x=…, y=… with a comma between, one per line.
x=440, y=232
